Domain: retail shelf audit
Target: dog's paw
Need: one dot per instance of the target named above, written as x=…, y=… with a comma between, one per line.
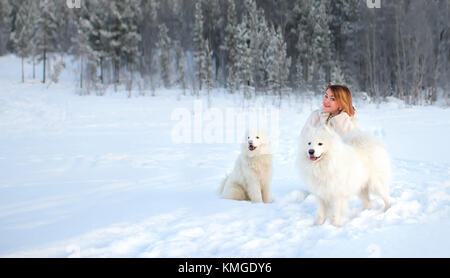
x=319, y=221
x=336, y=223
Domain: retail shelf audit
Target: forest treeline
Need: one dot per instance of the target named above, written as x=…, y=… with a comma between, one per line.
x=401, y=49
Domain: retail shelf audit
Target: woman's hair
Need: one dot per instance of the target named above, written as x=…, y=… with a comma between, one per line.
x=343, y=96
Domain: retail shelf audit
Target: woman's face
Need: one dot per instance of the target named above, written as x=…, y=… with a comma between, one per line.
x=329, y=103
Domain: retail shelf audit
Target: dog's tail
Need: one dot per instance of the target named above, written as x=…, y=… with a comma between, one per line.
x=222, y=185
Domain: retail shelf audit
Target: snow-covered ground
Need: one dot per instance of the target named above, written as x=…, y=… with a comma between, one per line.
x=101, y=176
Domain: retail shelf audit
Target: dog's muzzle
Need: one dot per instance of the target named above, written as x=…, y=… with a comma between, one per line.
x=251, y=147
x=312, y=156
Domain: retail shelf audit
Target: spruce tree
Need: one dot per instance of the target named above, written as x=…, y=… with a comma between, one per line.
x=23, y=33
x=88, y=56
x=321, y=45
x=124, y=36
x=164, y=46
x=199, y=51
x=181, y=72
x=305, y=29
x=244, y=61
x=283, y=62
x=231, y=47
x=5, y=24
x=209, y=66
x=46, y=33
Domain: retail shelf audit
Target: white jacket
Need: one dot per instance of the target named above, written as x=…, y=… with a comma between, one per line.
x=342, y=123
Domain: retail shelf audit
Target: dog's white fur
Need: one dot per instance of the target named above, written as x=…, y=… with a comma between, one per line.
x=355, y=164
x=252, y=173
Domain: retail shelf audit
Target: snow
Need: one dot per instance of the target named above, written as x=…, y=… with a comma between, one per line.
x=100, y=176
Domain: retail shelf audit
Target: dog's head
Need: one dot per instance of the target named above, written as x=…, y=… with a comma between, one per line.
x=256, y=143
x=317, y=143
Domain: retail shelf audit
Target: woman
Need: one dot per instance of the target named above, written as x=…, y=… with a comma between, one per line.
x=337, y=111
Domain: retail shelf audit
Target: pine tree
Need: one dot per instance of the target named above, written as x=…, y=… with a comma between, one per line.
x=5, y=10
x=283, y=62
x=23, y=32
x=321, y=45
x=213, y=28
x=278, y=63
x=5, y=24
x=88, y=56
x=34, y=17
x=269, y=61
x=305, y=29
x=46, y=33
x=124, y=36
x=244, y=61
x=258, y=28
x=164, y=46
x=181, y=73
x=98, y=33
x=199, y=51
x=300, y=82
x=231, y=47
x=337, y=75
x=209, y=66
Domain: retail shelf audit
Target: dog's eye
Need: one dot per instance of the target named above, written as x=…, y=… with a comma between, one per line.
x=248, y=137
x=309, y=143
x=320, y=144
x=257, y=137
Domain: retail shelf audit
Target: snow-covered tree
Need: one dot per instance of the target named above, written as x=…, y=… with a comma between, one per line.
x=321, y=44
x=199, y=51
x=231, y=47
x=252, y=40
x=5, y=10
x=124, y=36
x=278, y=63
x=46, y=33
x=23, y=32
x=244, y=60
x=88, y=56
x=283, y=61
x=181, y=72
x=5, y=23
x=92, y=43
x=337, y=75
x=98, y=35
x=258, y=30
x=209, y=66
x=300, y=82
x=304, y=32
x=164, y=46
x=213, y=27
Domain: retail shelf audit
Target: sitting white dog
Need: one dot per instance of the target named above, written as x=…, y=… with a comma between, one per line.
x=337, y=169
x=252, y=173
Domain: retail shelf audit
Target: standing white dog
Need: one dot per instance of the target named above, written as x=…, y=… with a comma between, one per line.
x=252, y=173
x=337, y=169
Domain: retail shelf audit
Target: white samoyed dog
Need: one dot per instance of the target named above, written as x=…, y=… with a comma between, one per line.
x=252, y=174
x=338, y=168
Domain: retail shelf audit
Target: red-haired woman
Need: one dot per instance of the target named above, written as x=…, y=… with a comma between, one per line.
x=337, y=111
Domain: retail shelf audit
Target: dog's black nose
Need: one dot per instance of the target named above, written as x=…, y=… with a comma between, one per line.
x=311, y=151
